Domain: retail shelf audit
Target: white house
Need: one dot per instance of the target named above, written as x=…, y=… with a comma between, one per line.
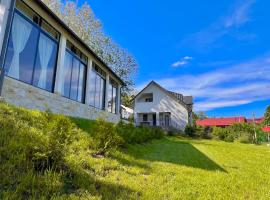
x=45, y=65
x=156, y=106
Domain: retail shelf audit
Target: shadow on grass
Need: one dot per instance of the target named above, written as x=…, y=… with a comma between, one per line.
x=176, y=152
x=80, y=180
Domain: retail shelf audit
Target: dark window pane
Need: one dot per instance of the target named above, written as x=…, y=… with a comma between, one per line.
x=92, y=88
x=67, y=74
x=81, y=85
x=110, y=91
x=102, y=95
x=97, y=95
x=112, y=97
x=114, y=100
x=75, y=79
x=45, y=63
x=97, y=90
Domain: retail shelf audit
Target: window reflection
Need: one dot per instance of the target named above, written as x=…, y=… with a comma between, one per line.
x=112, y=96
x=97, y=88
x=73, y=83
x=31, y=54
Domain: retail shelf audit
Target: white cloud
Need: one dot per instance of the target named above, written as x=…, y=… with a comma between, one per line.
x=184, y=61
x=240, y=14
x=188, y=58
x=234, y=85
x=179, y=63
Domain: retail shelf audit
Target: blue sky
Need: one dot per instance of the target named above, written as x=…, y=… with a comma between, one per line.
x=217, y=51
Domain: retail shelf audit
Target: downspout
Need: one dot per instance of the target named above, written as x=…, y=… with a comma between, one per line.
x=5, y=42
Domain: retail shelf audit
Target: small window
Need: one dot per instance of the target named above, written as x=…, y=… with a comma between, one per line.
x=34, y=17
x=145, y=117
x=99, y=70
x=28, y=12
x=49, y=29
x=149, y=100
x=84, y=58
x=77, y=52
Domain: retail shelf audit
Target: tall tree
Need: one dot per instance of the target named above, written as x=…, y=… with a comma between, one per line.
x=201, y=115
x=84, y=23
x=267, y=116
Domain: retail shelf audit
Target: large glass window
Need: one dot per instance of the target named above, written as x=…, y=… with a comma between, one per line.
x=74, y=77
x=97, y=88
x=112, y=96
x=31, y=54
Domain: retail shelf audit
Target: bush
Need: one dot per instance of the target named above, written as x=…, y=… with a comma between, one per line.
x=207, y=132
x=33, y=150
x=245, y=138
x=126, y=131
x=139, y=135
x=246, y=133
x=173, y=132
x=224, y=134
x=105, y=136
x=190, y=131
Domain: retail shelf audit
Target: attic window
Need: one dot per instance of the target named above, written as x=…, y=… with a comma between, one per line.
x=149, y=99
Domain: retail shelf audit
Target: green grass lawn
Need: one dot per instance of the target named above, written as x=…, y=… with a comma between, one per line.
x=174, y=168
x=170, y=168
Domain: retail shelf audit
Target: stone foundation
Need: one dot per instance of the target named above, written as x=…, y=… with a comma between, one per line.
x=28, y=96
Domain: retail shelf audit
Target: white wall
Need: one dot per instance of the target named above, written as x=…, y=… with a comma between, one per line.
x=162, y=102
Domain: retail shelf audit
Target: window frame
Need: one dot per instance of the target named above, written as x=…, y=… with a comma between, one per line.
x=103, y=77
x=145, y=118
x=40, y=30
x=113, y=85
x=84, y=82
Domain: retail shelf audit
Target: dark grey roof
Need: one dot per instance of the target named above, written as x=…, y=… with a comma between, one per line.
x=56, y=18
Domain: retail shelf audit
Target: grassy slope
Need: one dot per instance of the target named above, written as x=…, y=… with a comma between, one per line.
x=171, y=168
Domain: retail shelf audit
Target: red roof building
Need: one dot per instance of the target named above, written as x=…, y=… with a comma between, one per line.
x=221, y=122
x=266, y=129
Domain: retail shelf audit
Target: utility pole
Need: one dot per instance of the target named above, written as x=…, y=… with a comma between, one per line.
x=254, y=126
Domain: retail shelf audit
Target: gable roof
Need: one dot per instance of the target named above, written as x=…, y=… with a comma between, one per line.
x=176, y=96
x=73, y=34
x=220, y=121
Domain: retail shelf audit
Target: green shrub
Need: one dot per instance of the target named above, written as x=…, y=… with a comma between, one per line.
x=33, y=151
x=138, y=135
x=173, y=132
x=224, y=134
x=158, y=133
x=105, y=136
x=190, y=130
x=207, y=132
x=245, y=138
x=126, y=131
